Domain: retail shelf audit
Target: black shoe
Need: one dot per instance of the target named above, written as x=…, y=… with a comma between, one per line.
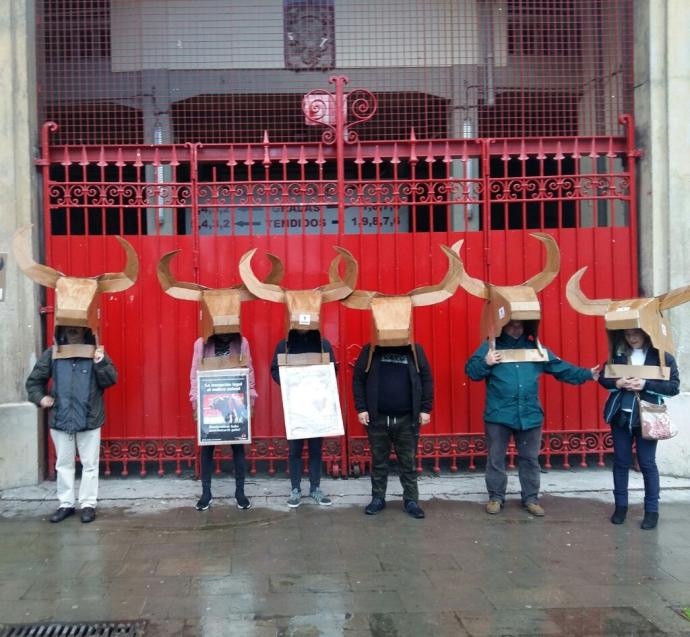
x=204, y=501
x=375, y=506
x=412, y=508
x=61, y=514
x=619, y=514
x=649, y=521
x=242, y=500
x=88, y=514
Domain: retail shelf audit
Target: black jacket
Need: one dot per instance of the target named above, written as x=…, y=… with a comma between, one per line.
x=652, y=392
x=298, y=343
x=78, y=385
x=365, y=385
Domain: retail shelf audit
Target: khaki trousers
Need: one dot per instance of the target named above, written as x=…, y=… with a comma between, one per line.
x=88, y=444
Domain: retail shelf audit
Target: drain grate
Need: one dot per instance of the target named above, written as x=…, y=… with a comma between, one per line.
x=59, y=629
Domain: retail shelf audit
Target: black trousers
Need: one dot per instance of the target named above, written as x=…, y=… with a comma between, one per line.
x=207, y=466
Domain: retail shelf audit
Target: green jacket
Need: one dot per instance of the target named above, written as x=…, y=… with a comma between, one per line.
x=512, y=389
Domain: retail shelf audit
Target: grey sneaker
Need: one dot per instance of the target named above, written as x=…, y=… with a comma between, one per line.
x=295, y=499
x=318, y=497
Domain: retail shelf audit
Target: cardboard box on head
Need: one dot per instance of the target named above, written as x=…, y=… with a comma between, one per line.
x=76, y=298
x=220, y=307
x=304, y=306
x=643, y=313
x=392, y=314
x=515, y=303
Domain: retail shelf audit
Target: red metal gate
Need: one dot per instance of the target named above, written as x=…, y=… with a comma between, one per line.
x=391, y=204
x=182, y=125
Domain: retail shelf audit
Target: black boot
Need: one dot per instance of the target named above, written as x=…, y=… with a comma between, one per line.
x=650, y=520
x=242, y=500
x=619, y=514
x=205, y=499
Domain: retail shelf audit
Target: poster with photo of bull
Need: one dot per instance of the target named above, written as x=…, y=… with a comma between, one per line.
x=224, y=407
x=311, y=404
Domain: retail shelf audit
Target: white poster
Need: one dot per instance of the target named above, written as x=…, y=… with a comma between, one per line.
x=310, y=401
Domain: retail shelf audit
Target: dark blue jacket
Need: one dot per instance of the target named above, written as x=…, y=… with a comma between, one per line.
x=78, y=385
x=301, y=343
x=653, y=389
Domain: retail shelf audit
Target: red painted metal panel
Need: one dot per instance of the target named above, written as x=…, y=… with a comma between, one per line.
x=214, y=211
x=487, y=149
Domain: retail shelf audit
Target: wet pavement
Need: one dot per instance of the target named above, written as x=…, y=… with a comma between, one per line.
x=322, y=571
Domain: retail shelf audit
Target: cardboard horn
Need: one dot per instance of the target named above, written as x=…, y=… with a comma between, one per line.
x=275, y=276
x=674, y=297
x=432, y=294
x=360, y=299
x=579, y=302
x=120, y=281
x=173, y=287
x=553, y=263
x=339, y=288
x=187, y=291
x=476, y=287
x=47, y=276
x=21, y=248
x=267, y=291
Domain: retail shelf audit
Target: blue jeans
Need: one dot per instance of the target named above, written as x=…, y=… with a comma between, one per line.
x=622, y=459
x=295, y=462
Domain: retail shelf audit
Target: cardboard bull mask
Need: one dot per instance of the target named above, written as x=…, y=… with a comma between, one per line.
x=220, y=307
x=304, y=306
x=644, y=314
x=392, y=314
x=515, y=303
x=76, y=298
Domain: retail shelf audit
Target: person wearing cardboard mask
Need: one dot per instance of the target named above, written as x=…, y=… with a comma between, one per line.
x=304, y=342
x=304, y=346
x=511, y=361
x=220, y=345
x=78, y=367
x=621, y=412
x=76, y=415
x=640, y=365
x=393, y=398
x=392, y=382
x=230, y=347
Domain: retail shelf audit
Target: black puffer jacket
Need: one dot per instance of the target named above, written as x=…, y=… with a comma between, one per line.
x=78, y=385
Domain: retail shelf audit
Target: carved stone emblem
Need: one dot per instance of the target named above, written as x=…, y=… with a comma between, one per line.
x=309, y=34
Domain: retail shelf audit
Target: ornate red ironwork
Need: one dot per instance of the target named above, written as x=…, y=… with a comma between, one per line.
x=396, y=203
x=339, y=112
x=446, y=451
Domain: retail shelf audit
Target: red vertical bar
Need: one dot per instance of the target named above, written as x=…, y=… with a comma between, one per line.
x=340, y=82
x=486, y=203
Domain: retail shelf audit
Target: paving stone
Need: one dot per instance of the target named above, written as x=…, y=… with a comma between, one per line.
x=502, y=622
x=229, y=585
x=335, y=571
x=309, y=583
x=13, y=589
